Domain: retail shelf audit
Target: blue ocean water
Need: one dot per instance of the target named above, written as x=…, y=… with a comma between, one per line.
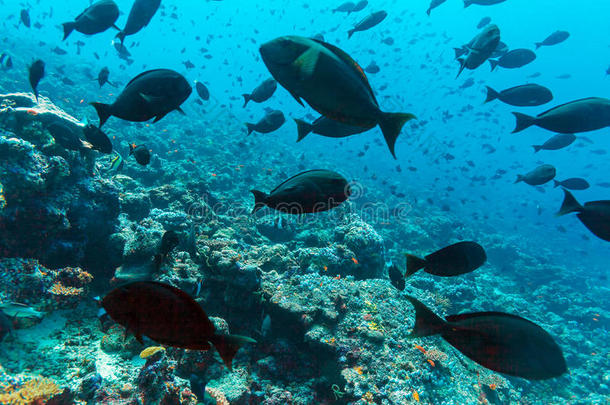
x=453, y=179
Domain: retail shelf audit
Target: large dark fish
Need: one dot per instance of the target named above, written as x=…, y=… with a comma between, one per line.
x=327, y=127
x=262, y=92
x=96, y=18
x=66, y=136
x=595, y=215
x=539, y=176
x=527, y=95
x=98, y=140
x=140, y=15
x=482, y=2
x=434, y=4
x=306, y=193
x=498, y=341
x=202, y=91
x=36, y=73
x=331, y=82
x=141, y=153
x=574, y=183
x=514, y=59
x=555, y=38
x=168, y=316
x=272, y=121
x=480, y=48
x=152, y=94
x=397, y=278
x=453, y=260
x=556, y=142
x=587, y=114
x=368, y=22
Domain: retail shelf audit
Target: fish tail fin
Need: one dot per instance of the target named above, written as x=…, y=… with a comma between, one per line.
x=68, y=28
x=428, y=11
x=494, y=64
x=250, y=127
x=519, y=179
x=537, y=148
x=391, y=124
x=467, y=3
x=538, y=45
x=121, y=36
x=350, y=33
x=462, y=66
x=246, y=99
x=523, y=121
x=427, y=323
x=569, y=204
x=228, y=345
x=103, y=111
x=557, y=183
x=491, y=94
x=458, y=52
x=259, y=200
x=414, y=264
x=303, y=129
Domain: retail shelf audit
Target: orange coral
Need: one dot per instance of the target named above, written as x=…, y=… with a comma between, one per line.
x=59, y=289
x=35, y=390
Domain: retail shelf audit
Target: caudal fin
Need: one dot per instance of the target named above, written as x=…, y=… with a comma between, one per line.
x=537, y=148
x=259, y=200
x=462, y=66
x=491, y=94
x=121, y=36
x=557, y=183
x=467, y=3
x=428, y=11
x=569, y=204
x=494, y=64
x=414, y=264
x=350, y=33
x=68, y=28
x=538, y=45
x=228, y=345
x=427, y=323
x=103, y=111
x=523, y=121
x=246, y=99
x=519, y=179
x=303, y=129
x=391, y=124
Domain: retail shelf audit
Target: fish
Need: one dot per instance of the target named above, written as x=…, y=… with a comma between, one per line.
x=498, y=341
x=595, y=215
x=346, y=7
x=527, y=95
x=514, y=59
x=484, y=21
x=16, y=310
x=479, y=49
x=327, y=127
x=574, y=183
x=97, y=139
x=453, y=260
x=372, y=68
x=202, y=91
x=305, y=193
x=142, y=12
x=262, y=92
x=36, y=73
x=556, y=142
x=539, y=176
x=102, y=77
x=468, y=3
x=368, y=22
x=584, y=115
x=141, y=154
x=397, y=278
x=151, y=94
x=117, y=163
x=434, y=4
x=331, y=82
x=361, y=5
x=65, y=136
x=96, y=18
x=555, y=38
x=169, y=241
x=168, y=316
x=272, y=121
x=25, y=17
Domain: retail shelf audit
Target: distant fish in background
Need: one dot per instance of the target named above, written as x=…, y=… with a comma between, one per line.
x=514, y=59
x=202, y=91
x=555, y=38
x=272, y=121
x=479, y=49
x=539, y=176
x=346, y=7
x=25, y=18
x=484, y=22
x=36, y=73
x=328, y=128
x=434, y=4
x=96, y=18
x=556, y=142
x=453, y=260
x=361, y=5
x=142, y=12
x=368, y=22
x=468, y=3
x=595, y=215
x=169, y=241
x=574, y=183
x=262, y=92
x=498, y=341
x=527, y=95
x=103, y=76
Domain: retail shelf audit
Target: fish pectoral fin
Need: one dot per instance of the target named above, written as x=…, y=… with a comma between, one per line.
x=307, y=62
x=151, y=99
x=297, y=98
x=180, y=111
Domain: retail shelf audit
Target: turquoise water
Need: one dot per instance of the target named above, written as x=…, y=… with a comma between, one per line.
x=313, y=290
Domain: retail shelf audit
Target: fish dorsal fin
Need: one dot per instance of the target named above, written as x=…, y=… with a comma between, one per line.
x=463, y=317
x=351, y=62
x=570, y=102
x=296, y=175
x=144, y=73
